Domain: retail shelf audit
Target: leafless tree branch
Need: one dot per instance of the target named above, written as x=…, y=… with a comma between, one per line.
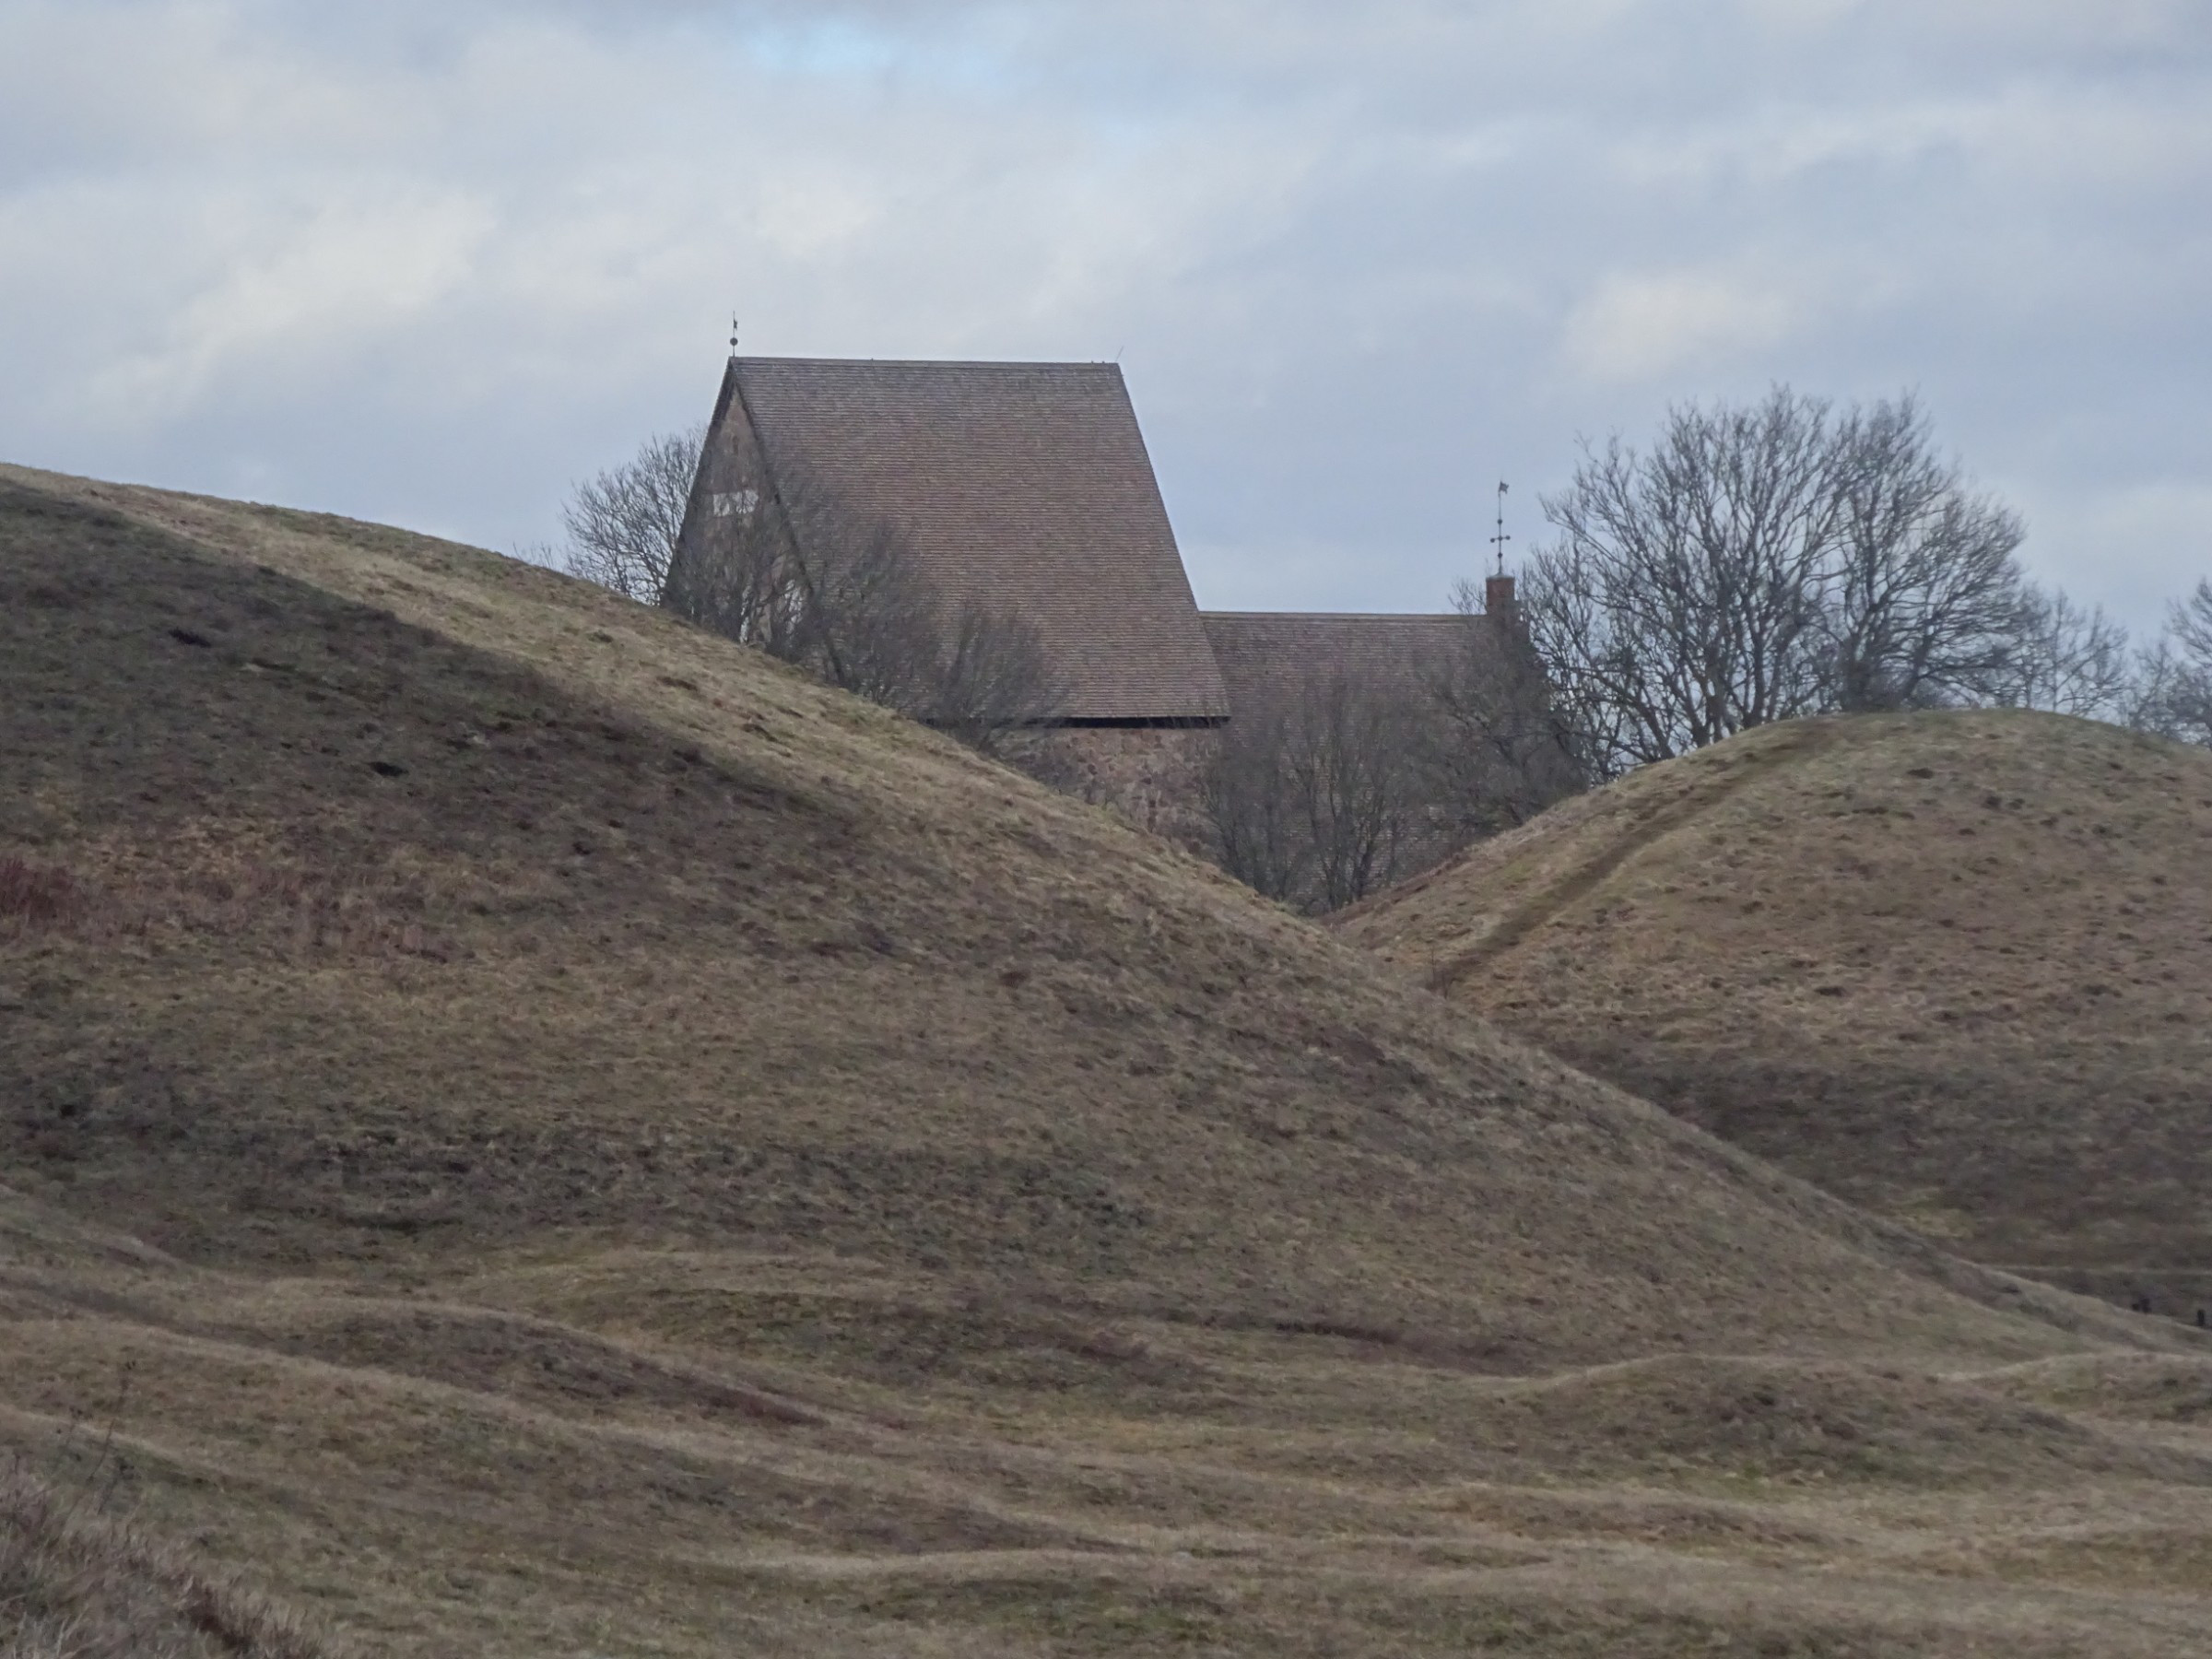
x=1496, y=747
x=2173, y=694
x=624, y=524
x=2062, y=659
x=1325, y=795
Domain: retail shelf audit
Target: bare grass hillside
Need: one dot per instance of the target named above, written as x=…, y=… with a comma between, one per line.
x=1955, y=966
x=530, y=1130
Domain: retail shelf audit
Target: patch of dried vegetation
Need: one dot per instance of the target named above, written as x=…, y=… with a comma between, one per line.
x=77, y=1586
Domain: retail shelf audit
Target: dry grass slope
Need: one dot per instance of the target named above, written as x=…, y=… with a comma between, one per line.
x=75, y=1585
x=1955, y=967
x=543, y=1134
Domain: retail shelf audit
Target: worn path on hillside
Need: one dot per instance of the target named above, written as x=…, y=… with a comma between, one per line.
x=1653, y=822
x=1957, y=967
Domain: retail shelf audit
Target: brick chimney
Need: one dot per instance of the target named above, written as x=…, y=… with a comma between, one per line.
x=1498, y=596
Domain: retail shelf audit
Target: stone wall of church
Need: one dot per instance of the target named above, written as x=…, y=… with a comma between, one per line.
x=1148, y=774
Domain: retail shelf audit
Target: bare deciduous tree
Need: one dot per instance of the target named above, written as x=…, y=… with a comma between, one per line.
x=2189, y=624
x=1247, y=795
x=1784, y=560
x=867, y=619
x=1919, y=603
x=994, y=688
x=1356, y=769
x=623, y=523
x=2172, y=694
x=1323, y=797
x=1496, y=750
x=1589, y=667
x=1344, y=776
x=2062, y=659
x=737, y=577
x=1679, y=606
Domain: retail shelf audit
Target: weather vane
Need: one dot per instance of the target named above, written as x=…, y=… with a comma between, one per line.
x=733, y=334
x=1498, y=540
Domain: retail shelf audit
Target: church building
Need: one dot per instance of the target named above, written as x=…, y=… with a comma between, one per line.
x=1026, y=488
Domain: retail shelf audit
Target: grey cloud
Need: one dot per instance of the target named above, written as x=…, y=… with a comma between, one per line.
x=431, y=262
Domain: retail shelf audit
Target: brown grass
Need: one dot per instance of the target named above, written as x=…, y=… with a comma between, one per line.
x=1955, y=966
x=37, y=895
x=587, y=1143
x=77, y=1586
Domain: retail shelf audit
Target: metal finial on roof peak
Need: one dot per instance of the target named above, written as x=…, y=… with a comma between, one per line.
x=733, y=334
x=1498, y=540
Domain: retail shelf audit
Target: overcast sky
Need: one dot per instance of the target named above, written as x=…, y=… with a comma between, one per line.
x=429, y=263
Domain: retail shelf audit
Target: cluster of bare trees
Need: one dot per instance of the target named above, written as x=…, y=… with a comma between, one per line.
x=1786, y=559
x=1497, y=747
x=1344, y=783
x=1317, y=800
x=2173, y=683
x=799, y=573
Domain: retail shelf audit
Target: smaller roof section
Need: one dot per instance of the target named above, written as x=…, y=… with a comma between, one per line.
x=1025, y=487
x=1267, y=657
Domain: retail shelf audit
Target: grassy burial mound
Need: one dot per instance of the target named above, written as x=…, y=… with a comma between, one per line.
x=1955, y=966
x=533, y=1130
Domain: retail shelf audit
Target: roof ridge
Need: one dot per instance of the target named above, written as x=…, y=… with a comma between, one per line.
x=1341, y=616
x=1007, y=363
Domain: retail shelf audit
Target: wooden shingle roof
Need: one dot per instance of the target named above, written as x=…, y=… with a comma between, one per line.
x=1267, y=657
x=1025, y=487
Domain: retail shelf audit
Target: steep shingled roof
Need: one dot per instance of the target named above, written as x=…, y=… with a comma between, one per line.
x=1025, y=486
